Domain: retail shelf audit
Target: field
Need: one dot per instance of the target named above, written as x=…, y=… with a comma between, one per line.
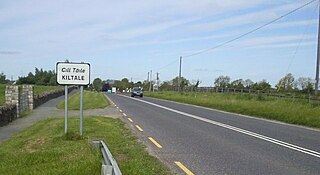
x=38, y=90
x=45, y=149
x=284, y=110
x=91, y=100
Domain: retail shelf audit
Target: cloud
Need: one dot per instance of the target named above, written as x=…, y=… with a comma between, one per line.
x=149, y=29
x=272, y=40
x=245, y=19
x=9, y=53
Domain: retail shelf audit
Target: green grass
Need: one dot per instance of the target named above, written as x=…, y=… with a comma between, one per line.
x=45, y=149
x=91, y=100
x=2, y=94
x=38, y=90
x=289, y=111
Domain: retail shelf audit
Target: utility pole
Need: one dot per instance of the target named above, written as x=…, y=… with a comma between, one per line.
x=157, y=82
x=318, y=62
x=150, y=80
x=179, y=79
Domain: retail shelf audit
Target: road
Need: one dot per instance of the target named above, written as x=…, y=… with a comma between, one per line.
x=196, y=140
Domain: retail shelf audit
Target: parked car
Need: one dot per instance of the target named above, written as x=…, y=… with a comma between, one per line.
x=136, y=91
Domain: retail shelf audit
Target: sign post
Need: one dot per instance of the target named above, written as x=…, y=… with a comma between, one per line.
x=73, y=74
x=81, y=111
x=65, y=109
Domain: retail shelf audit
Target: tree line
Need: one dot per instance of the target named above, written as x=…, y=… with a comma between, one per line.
x=39, y=77
x=288, y=83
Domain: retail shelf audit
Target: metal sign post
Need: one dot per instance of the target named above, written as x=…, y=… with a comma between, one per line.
x=65, y=109
x=81, y=111
x=73, y=74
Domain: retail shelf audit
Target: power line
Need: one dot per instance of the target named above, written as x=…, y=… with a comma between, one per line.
x=249, y=32
x=174, y=61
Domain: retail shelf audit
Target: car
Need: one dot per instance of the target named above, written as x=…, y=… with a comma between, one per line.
x=136, y=91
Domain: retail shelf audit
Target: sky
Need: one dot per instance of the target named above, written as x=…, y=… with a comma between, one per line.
x=130, y=38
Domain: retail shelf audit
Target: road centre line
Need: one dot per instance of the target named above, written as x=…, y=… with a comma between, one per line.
x=120, y=110
x=259, y=136
x=185, y=169
x=130, y=120
x=139, y=128
x=155, y=142
x=124, y=114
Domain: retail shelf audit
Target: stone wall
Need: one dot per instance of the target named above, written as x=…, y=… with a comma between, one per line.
x=22, y=97
x=19, y=99
x=8, y=113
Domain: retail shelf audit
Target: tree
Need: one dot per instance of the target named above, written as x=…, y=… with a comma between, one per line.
x=183, y=82
x=3, y=79
x=166, y=85
x=237, y=84
x=262, y=85
x=138, y=84
x=286, y=83
x=97, y=84
x=306, y=84
x=222, y=81
x=40, y=77
x=126, y=83
x=248, y=83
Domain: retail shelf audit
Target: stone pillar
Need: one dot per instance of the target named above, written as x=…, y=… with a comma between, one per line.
x=12, y=97
x=28, y=91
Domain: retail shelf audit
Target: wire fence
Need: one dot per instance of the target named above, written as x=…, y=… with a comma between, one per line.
x=296, y=96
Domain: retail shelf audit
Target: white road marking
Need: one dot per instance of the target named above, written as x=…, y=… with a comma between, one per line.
x=259, y=136
x=124, y=114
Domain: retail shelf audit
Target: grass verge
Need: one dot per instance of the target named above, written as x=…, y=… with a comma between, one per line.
x=2, y=94
x=91, y=100
x=45, y=149
x=289, y=111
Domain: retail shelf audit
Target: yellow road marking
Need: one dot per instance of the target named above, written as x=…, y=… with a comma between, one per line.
x=185, y=169
x=154, y=142
x=130, y=120
x=139, y=128
x=124, y=114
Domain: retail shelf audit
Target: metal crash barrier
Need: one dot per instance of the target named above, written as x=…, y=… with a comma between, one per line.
x=109, y=165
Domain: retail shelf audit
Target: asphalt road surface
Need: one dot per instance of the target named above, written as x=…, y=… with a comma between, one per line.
x=196, y=140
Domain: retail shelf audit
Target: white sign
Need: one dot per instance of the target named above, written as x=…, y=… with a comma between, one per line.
x=73, y=73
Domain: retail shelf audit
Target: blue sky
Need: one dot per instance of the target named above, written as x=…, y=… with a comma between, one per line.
x=129, y=38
